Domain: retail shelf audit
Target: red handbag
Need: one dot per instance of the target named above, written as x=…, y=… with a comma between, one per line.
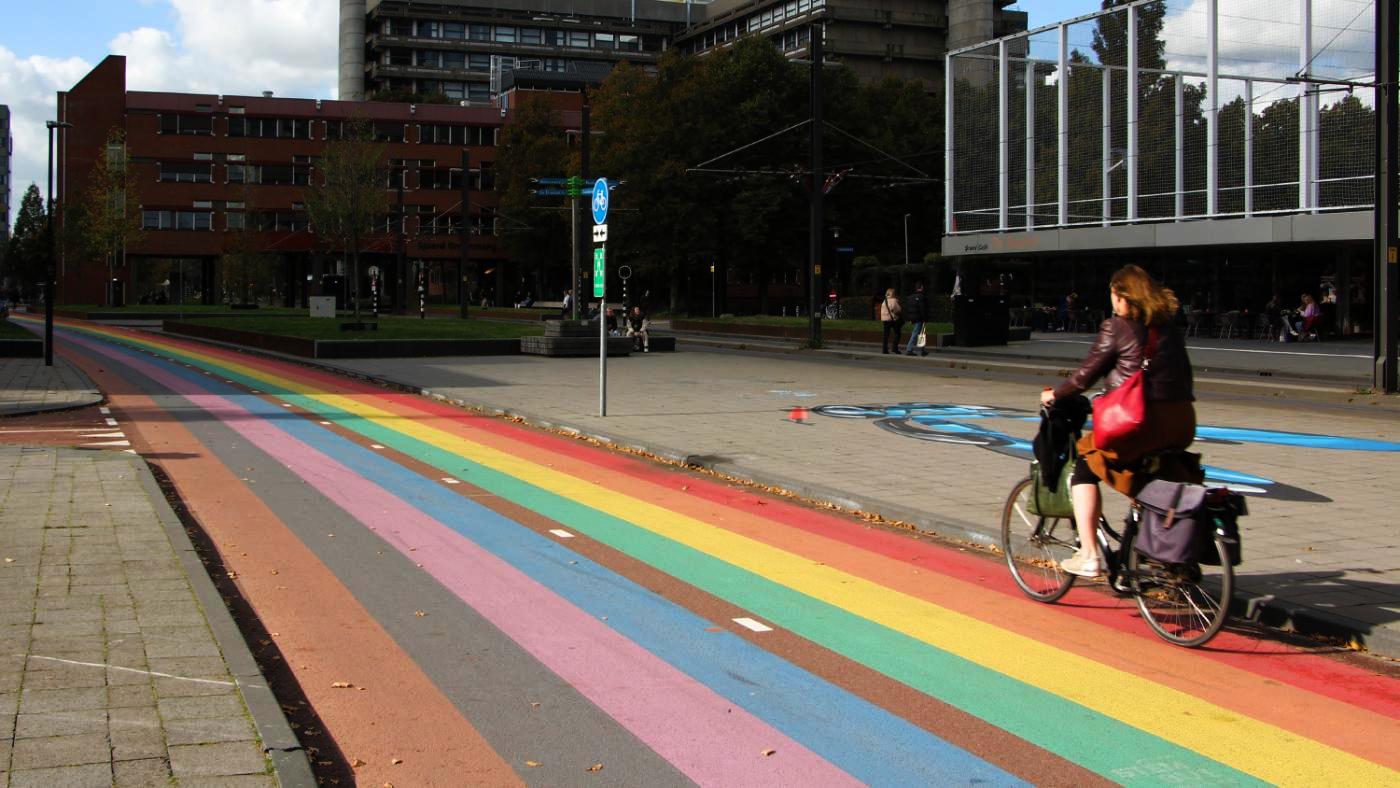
x=1119, y=414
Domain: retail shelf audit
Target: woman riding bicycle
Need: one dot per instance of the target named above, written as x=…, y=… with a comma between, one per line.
x=1141, y=325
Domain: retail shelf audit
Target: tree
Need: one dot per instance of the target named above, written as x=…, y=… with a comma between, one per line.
x=351, y=192
x=111, y=208
x=26, y=261
x=534, y=232
x=245, y=261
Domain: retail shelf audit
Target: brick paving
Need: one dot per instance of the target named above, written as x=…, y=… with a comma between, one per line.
x=1335, y=562
x=28, y=386
x=109, y=671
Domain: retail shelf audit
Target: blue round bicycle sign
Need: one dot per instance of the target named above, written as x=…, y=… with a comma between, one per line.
x=600, y=201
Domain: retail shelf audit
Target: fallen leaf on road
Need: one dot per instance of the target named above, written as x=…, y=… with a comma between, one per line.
x=274, y=571
x=356, y=763
x=597, y=767
x=419, y=613
x=341, y=684
x=396, y=761
x=685, y=487
x=9, y=560
x=534, y=704
x=767, y=753
x=533, y=764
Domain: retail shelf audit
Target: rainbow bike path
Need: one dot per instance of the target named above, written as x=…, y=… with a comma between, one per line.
x=860, y=655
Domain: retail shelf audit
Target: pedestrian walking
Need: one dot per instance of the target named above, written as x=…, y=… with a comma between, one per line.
x=916, y=313
x=890, y=310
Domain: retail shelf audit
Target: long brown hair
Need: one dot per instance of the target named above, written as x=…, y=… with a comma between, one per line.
x=1148, y=301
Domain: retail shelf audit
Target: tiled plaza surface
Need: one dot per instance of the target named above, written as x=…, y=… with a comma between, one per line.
x=1336, y=556
x=109, y=672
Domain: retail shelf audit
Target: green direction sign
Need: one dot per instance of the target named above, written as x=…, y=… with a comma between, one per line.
x=598, y=278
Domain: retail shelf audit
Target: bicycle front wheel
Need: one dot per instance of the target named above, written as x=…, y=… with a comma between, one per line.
x=1185, y=604
x=1034, y=546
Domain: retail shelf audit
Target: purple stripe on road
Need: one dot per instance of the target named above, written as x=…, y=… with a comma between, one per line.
x=698, y=731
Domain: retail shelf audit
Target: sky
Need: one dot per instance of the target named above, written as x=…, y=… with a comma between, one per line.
x=234, y=47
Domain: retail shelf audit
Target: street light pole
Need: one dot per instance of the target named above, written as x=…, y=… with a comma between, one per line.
x=49, y=284
x=906, y=239
x=814, y=251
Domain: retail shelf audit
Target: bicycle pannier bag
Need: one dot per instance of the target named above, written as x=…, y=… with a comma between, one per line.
x=1118, y=415
x=1172, y=516
x=1047, y=502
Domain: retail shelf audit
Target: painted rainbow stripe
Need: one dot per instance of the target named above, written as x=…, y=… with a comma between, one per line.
x=1060, y=697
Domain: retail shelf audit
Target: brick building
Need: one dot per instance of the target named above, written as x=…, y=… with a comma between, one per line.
x=216, y=173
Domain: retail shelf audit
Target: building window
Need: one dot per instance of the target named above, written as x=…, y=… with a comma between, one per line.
x=438, y=134
x=204, y=157
x=578, y=38
x=237, y=173
x=604, y=40
x=186, y=124
x=479, y=32
x=429, y=30
x=477, y=62
x=454, y=90
x=629, y=43
x=388, y=132
x=202, y=204
x=478, y=91
x=454, y=30
x=429, y=58
x=156, y=220
x=505, y=35
x=554, y=38
x=454, y=59
x=398, y=27
x=531, y=35
x=397, y=56
x=235, y=220
x=234, y=205
x=185, y=172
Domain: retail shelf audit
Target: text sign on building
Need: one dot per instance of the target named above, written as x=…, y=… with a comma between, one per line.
x=600, y=201
x=600, y=233
x=599, y=280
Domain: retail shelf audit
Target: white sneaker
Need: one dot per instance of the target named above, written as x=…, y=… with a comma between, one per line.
x=1080, y=566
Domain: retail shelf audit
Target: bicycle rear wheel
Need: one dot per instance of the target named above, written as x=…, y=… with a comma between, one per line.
x=1035, y=545
x=1185, y=604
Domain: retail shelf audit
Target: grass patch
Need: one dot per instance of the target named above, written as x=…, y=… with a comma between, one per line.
x=9, y=330
x=802, y=322
x=185, y=308
x=390, y=327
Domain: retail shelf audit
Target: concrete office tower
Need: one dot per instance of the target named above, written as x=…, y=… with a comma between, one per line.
x=352, y=50
x=7, y=148
x=971, y=22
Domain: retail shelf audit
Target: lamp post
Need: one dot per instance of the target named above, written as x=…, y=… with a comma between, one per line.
x=49, y=284
x=906, y=239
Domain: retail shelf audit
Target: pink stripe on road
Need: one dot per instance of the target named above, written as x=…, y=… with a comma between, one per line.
x=698, y=731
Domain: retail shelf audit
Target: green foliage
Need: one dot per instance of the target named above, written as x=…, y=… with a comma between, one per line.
x=533, y=230
x=341, y=207
x=389, y=328
x=9, y=330
x=26, y=259
x=110, y=218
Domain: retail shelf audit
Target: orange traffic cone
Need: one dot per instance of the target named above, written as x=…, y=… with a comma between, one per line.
x=798, y=415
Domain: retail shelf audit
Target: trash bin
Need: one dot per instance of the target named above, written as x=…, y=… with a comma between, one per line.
x=980, y=320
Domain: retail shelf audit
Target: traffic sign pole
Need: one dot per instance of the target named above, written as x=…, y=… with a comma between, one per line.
x=599, y=204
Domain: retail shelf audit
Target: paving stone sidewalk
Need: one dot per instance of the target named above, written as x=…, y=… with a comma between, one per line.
x=110, y=672
x=28, y=386
x=1329, y=558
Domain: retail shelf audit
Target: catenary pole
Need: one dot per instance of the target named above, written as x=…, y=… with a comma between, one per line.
x=1387, y=268
x=814, y=48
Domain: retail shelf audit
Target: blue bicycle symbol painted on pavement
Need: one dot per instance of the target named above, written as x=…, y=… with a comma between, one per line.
x=957, y=424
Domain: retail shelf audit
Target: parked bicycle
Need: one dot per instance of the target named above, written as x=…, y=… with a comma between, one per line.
x=834, y=311
x=1185, y=603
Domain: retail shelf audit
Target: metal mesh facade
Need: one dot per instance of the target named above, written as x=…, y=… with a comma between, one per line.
x=1164, y=110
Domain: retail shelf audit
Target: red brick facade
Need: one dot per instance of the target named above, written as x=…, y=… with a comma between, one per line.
x=208, y=166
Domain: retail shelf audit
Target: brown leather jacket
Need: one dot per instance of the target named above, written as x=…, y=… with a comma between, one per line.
x=1117, y=353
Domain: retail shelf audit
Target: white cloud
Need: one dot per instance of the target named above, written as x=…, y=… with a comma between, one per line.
x=286, y=46
x=215, y=46
x=28, y=86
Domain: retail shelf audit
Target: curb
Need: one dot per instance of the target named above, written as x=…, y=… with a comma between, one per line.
x=289, y=761
x=1265, y=609
x=30, y=410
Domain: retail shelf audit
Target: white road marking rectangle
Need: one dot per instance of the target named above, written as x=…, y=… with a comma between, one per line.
x=104, y=410
x=111, y=422
x=117, y=434
x=451, y=480
x=749, y=623
x=561, y=533
x=375, y=446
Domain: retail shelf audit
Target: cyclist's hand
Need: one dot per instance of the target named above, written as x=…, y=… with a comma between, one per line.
x=1047, y=396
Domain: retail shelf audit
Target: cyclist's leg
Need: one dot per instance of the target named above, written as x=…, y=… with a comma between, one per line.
x=1088, y=506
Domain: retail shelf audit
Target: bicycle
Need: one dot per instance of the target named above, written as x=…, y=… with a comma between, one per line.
x=1185, y=604
x=834, y=311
